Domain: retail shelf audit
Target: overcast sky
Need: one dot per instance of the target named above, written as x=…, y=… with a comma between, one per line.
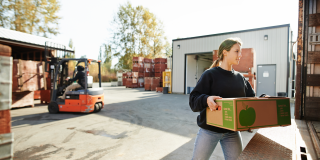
x=87, y=24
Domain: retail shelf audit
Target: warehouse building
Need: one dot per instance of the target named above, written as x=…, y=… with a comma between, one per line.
x=272, y=58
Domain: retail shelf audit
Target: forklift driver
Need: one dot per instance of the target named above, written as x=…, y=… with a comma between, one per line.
x=80, y=76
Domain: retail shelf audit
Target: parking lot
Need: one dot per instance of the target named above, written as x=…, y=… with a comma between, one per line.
x=134, y=124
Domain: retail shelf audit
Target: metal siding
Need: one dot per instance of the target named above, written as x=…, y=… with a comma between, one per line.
x=272, y=51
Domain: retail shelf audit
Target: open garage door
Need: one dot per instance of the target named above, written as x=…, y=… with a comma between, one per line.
x=196, y=64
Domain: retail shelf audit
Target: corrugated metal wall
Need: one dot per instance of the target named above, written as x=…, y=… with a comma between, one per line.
x=271, y=51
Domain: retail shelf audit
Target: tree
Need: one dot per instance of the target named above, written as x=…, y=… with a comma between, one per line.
x=70, y=55
x=136, y=32
x=168, y=49
x=36, y=17
x=107, y=57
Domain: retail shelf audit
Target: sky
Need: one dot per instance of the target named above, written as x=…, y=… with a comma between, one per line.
x=89, y=24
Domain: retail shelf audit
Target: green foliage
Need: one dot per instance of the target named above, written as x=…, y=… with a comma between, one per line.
x=71, y=43
x=38, y=17
x=70, y=55
x=105, y=56
x=137, y=32
x=168, y=49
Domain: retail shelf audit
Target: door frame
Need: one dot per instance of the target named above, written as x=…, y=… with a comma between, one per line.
x=185, y=68
x=275, y=86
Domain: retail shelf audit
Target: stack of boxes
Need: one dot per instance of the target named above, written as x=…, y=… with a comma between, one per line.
x=137, y=72
x=129, y=80
x=160, y=66
x=146, y=73
x=155, y=83
x=148, y=68
x=124, y=78
x=147, y=83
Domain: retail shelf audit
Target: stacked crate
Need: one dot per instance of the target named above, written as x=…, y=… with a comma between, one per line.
x=147, y=83
x=147, y=72
x=135, y=76
x=124, y=78
x=6, y=137
x=137, y=72
x=155, y=82
x=152, y=68
x=129, y=80
x=159, y=67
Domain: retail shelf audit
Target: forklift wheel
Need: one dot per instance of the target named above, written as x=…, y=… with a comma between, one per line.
x=53, y=107
x=100, y=106
x=96, y=108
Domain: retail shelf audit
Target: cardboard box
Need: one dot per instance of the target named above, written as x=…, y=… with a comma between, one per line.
x=238, y=114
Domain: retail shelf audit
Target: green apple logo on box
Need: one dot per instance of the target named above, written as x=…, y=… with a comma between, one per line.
x=247, y=116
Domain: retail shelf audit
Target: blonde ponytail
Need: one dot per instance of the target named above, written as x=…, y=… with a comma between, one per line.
x=216, y=63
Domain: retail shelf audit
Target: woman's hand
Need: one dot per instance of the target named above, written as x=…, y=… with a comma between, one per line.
x=213, y=105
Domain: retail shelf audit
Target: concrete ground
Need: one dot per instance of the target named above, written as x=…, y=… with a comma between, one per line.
x=135, y=124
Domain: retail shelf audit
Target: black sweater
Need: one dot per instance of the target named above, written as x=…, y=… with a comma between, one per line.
x=80, y=76
x=217, y=82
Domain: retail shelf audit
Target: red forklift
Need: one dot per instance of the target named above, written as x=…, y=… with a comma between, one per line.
x=82, y=99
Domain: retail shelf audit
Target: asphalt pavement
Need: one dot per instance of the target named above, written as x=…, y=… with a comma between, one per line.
x=134, y=124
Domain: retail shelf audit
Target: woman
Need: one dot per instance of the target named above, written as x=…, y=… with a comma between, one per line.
x=220, y=81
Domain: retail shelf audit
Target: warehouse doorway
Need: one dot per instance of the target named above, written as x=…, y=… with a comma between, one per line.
x=196, y=64
x=266, y=82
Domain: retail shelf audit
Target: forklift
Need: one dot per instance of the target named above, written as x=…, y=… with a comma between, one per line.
x=83, y=99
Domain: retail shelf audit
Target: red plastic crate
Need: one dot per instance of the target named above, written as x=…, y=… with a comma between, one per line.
x=137, y=67
x=129, y=74
x=124, y=80
x=129, y=83
x=152, y=68
x=138, y=59
x=147, y=65
x=147, y=60
x=134, y=85
x=159, y=70
x=135, y=74
x=160, y=60
x=141, y=74
x=134, y=80
x=140, y=85
x=160, y=65
x=148, y=74
x=159, y=89
x=147, y=87
x=147, y=70
x=147, y=80
x=124, y=75
x=155, y=83
x=158, y=74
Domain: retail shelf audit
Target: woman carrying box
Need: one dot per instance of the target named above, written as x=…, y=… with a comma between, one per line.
x=220, y=81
